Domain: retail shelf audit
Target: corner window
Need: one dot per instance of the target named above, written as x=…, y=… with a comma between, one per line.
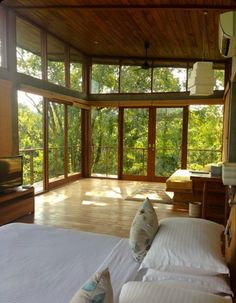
x=56, y=60
x=76, y=79
x=28, y=49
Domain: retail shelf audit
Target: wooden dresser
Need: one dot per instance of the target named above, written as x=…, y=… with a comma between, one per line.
x=16, y=204
x=212, y=193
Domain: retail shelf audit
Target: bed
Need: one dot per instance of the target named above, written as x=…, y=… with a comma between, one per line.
x=46, y=264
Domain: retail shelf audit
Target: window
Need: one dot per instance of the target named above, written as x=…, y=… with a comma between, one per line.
x=76, y=79
x=74, y=140
x=219, y=75
x=3, y=56
x=204, y=135
x=30, y=127
x=28, y=46
x=169, y=79
x=56, y=60
x=134, y=79
x=104, y=79
x=105, y=142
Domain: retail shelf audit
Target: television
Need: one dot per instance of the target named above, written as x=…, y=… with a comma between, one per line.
x=11, y=173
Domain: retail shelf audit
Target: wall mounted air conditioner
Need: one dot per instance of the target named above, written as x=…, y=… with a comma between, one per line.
x=227, y=34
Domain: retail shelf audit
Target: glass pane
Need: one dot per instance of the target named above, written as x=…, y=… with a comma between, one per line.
x=28, y=48
x=30, y=127
x=105, y=142
x=56, y=156
x=168, y=79
x=135, y=148
x=169, y=123
x=134, y=79
x=76, y=80
x=204, y=135
x=56, y=61
x=3, y=58
x=105, y=79
x=219, y=75
x=74, y=139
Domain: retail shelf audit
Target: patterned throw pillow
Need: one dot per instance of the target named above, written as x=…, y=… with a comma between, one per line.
x=143, y=230
x=97, y=289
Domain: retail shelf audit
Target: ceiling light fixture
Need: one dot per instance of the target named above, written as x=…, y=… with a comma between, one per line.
x=202, y=81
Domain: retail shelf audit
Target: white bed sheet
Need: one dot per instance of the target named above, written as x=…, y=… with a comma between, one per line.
x=43, y=264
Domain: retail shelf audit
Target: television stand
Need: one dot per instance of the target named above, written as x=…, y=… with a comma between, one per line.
x=16, y=204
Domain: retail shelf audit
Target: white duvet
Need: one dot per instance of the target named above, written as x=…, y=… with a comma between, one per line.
x=40, y=264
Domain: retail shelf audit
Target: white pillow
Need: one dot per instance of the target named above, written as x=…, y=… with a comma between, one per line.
x=214, y=284
x=151, y=292
x=97, y=289
x=143, y=230
x=187, y=245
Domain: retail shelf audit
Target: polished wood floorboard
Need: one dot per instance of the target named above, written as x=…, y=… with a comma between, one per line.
x=94, y=205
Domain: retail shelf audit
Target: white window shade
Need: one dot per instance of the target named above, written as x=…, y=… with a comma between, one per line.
x=202, y=81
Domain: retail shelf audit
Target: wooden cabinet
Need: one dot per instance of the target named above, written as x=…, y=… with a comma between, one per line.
x=16, y=204
x=212, y=193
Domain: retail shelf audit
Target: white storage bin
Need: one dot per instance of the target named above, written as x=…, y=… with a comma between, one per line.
x=195, y=209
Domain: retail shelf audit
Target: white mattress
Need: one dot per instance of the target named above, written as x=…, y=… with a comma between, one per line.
x=45, y=265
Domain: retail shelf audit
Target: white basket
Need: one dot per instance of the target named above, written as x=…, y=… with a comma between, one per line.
x=229, y=173
x=195, y=209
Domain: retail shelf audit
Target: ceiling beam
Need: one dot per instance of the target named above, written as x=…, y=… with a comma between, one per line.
x=127, y=7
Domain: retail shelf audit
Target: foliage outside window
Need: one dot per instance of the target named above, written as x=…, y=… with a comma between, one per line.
x=74, y=139
x=105, y=142
x=135, y=80
x=56, y=140
x=30, y=127
x=76, y=80
x=28, y=48
x=135, y=141
x=56, y=60
x=219, y=75
x=169, y=124
x=168, y=79
x=105, y=79
x=3, y=58
x=204, y=135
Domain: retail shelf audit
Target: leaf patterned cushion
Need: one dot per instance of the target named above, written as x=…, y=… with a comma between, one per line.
x=143, y=230
x=97, y=289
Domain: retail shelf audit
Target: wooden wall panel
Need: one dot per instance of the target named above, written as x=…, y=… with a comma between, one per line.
x=6, y=119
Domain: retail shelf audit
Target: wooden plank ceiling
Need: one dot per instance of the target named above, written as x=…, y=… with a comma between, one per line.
x=118, y=28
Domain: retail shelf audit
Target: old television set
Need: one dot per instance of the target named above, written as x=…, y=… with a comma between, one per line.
x=11, y=173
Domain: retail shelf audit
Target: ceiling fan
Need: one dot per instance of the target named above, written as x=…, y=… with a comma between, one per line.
x=145, y=64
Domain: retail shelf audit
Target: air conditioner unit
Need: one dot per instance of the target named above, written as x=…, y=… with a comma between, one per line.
x=227, y=34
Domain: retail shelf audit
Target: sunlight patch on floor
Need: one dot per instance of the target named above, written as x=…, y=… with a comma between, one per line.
x=53, y=196
x=86, y=202
x=104, y=193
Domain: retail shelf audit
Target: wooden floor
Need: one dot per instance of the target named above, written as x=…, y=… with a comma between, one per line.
x=95, y=205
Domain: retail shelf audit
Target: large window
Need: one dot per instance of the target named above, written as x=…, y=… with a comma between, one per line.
x=3, y=31
x=169, y=124
x=56, y=60
x=204, y=135
x=105, y=142
x=28, y=50
x=135, y=142
x=30, y=125
x=56, y=141
x=74, y=140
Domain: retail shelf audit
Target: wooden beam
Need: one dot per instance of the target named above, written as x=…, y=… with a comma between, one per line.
x=148, y=103
x=113, y=7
